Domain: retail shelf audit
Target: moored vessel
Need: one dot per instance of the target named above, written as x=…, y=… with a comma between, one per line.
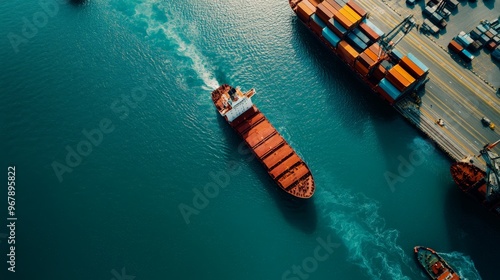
x=435, y=266
x=282, y=163
x=343, y=26
x=481, y=185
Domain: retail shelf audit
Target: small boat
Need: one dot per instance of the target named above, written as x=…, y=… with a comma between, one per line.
x=434, y=264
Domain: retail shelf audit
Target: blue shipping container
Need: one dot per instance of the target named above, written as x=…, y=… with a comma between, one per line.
x=389, y=89
x=481, y=28
x=331, y=37
x=467, y=55
x=373, y=26
x=361, y=35
x=356, y=43
x=339, y=26
x=462, y=41
x=397, y=54
x=418, y=62
x=318, y=20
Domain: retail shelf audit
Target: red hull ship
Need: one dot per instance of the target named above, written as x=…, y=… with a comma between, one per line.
x=286, y=168
x=483, y=186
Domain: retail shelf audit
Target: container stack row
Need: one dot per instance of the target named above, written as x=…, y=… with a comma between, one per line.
x=344, y=27
x=484, y=35
x=403, y=77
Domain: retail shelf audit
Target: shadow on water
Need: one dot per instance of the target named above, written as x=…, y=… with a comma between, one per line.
x=364, y=105
x=77, y=2
x=473, y=230
x=301, y=214
x=357, y=100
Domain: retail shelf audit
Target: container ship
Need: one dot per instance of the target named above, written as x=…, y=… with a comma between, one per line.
x=344, y=28
x=284, y=166
x=481, y=185
x=434, y=264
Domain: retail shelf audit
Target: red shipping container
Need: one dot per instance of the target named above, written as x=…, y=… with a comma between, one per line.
x=334, y=4
x=323, y=12
x=356, y=8
x=455, y=47
x=368, y=31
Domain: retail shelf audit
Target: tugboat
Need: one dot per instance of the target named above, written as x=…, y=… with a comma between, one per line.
x=434, y=264
x=282, y=163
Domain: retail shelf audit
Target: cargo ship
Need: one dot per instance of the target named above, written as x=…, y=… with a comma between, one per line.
x=369, y=52
x=481, y=185
x=282, y=163
x=434, y=264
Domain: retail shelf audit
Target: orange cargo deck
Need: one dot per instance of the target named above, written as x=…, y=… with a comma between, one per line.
x=282, y=163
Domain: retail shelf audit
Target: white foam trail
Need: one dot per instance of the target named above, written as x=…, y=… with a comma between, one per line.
x=463, y=265
x=171, y=29
x=355, y=219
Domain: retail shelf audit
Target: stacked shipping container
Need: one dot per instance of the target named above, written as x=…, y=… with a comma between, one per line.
x=344, y=28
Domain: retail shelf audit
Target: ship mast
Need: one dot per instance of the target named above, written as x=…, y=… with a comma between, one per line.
x=492, y=169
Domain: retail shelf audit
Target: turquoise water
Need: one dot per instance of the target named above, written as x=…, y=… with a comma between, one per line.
x=137, y=76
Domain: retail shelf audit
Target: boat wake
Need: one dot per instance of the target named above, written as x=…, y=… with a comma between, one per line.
x=166, y=30
x=462, y=264
x=370, y=245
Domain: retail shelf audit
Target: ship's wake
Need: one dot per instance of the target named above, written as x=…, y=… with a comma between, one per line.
x=462, y=264
x=169, y=32
x=370, y=245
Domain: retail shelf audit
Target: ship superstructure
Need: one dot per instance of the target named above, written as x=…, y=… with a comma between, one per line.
x=435, y=266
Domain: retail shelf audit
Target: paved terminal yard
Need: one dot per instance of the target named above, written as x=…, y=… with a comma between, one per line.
x=465, y=18
x=454, y=93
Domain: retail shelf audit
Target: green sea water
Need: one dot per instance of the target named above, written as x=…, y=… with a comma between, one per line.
x=124, y=168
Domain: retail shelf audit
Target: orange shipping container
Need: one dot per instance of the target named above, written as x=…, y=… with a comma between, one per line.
x=310, y=5
x=371, y=54
x=304, y=12
x=397, y=80
x=411, y=67
x=315, y=3
x=356, y=8
x=330, y=7
x=345, y=22
x=377, y=50
x=405, y=74
x=323, y=12
x=347, y=15
x=353, y=13
x=334, y=4
x=347, y=52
